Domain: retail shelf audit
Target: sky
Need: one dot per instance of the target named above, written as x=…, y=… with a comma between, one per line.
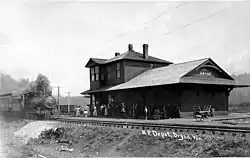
x=57, y=37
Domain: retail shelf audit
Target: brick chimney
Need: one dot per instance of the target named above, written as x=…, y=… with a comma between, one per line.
x=117, y=53
x=145, y=51
x=130, y=47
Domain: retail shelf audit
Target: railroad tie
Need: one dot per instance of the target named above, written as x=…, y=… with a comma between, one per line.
x=222, y=133
x=243, y=135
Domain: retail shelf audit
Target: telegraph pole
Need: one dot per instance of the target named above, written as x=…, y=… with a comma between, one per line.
x=58, y=98
x=68, y=101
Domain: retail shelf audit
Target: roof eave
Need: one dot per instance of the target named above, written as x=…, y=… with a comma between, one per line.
x=147, y=61
x=89, y=66
x=94, y=62
x=241, y=85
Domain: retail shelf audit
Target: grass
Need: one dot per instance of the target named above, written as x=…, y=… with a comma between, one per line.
x=97, y=141
x=92, y=141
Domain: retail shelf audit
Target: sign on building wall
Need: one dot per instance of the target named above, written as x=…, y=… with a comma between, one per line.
x=205, y=71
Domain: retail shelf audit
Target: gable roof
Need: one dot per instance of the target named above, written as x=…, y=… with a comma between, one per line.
x=211, y=63
x=161, y=76
x=172, y=74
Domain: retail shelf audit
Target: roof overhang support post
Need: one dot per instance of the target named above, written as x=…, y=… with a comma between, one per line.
x=229, y=90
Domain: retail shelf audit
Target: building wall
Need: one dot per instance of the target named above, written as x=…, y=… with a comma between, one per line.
x=4, y=103
x=204, y=95
x=134, y=68
x=9, y=103
x=128, y=70
x=113, y=78
x=185, y=96
x=94, y=85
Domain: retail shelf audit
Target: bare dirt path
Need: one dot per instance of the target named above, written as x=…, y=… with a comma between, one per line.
x=33, y=130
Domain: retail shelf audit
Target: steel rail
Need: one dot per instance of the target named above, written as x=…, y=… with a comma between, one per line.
x=146, y=125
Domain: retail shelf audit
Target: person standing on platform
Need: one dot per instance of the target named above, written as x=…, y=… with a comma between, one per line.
x=133, y=110
x=102, y=109
x=95, y=112
x=109, y=110
x=146, y=112
x=164, y=111
x=78, y=111
x=85, y=112
x=105, y=110
x=123, y=110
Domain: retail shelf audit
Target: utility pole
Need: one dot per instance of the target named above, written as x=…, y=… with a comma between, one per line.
x=58, y=98
x=68, y=101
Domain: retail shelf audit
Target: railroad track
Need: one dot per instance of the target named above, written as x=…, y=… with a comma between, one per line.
x=180, y=128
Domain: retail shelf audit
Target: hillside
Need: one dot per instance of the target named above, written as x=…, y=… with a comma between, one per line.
x=8, y=84
x=240, y=95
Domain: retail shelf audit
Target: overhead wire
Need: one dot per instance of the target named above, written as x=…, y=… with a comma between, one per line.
x=199, y=20
x=147, y=21
x=179, y=28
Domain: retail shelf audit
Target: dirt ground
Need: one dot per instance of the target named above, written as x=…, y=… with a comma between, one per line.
x=10, y=147
x=24, y=139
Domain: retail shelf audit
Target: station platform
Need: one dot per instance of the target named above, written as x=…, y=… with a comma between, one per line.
x=211, y=121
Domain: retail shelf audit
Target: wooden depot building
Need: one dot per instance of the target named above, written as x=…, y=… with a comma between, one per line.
x=139, y=80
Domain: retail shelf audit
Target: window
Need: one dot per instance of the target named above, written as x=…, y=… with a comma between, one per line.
x=92, y=71
x=118, y=70
x=102, y=73
x=97, y=72
x=108, y=72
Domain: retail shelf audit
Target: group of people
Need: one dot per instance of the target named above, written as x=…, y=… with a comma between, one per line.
x=111, y=110
x=165, y=111
x=78, y=112
x=136, y=111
